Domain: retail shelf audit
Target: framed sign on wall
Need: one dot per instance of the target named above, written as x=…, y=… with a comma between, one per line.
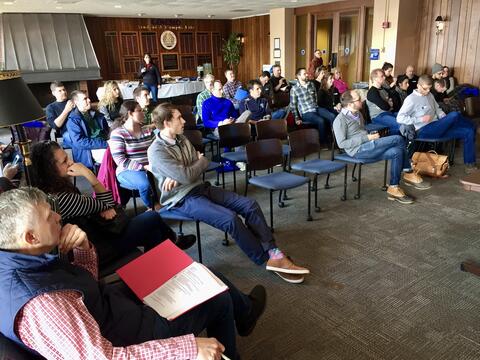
x=168, y=40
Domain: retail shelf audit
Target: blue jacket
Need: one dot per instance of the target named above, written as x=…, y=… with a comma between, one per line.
x=122, y=319
x=258, y=107
x=81, y=142
x=216, y=109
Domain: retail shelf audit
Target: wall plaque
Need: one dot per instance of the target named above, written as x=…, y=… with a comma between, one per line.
x=168, y=40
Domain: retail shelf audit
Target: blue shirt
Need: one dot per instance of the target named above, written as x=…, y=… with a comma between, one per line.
x=216, y=109
x=53, y=111
x=258, y=107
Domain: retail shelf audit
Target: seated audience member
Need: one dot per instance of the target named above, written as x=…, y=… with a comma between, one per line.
x=57, y=112
x=315, y=63
x=338, y=82
x=390, y=81
x=58, y=309
x=446, y=103
x=178, y=169
x=380, y=104
x=278, y=82
x=437, y=71
x=320, y=73
x=129, y=143
x=9, y=172
x=267, y=90
x=354, y=139
x=255, y=103
x=449, y=79
x=328, y=97
x=52, y=172
x=208, y=80
x=150, y=76
x=422, y=111
x=142, y=96
x=412, y=78
x=88, y=130
x=303, y=102
x=231, y=86
x=217, y=110
x=110, y=102
x=400, y=92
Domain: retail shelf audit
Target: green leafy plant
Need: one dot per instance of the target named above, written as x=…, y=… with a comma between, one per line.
x=231, y=51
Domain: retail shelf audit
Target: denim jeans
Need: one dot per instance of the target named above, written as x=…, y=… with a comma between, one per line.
x=453, y=125
x=327, y=114
x=138, y=180
x=391, y=148
x=278, y=114
x=389, y=120
x=217, y=315
x=220, y=209
x=153, y=91
x=316, y=118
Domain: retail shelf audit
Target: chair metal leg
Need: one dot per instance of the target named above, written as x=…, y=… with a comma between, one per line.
x=357, y=195
x=180, y=228
x=199, y=243
x=223, y=179
x=271, y=210
x=309, y=217
x=353, y=172
x=285, y=197
x=134, y=202
x=385, y=187
x=315, y=186
x=246, y=183
x=225, y=241
x=327, y=185
x=217, y=182
x=234, y=179
x=281, y=204
x=344, y=197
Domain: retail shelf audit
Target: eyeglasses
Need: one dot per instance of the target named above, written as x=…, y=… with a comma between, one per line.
x=426, y=89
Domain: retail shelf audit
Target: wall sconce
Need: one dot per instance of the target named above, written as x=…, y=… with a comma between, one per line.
x=439, y=24
x=241, y=38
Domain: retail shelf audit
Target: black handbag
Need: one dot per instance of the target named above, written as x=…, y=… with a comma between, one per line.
x=112, y=227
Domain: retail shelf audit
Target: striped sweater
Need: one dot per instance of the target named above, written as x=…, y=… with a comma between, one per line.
x=129, y=152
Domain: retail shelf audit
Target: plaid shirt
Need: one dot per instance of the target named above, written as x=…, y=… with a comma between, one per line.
x=57, y=325
x=204, y=95
x=230, y=88
x=303, y=99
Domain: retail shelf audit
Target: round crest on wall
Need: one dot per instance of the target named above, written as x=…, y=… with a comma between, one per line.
x=168, y=40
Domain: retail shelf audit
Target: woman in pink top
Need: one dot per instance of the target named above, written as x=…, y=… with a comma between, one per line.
x=338, y=82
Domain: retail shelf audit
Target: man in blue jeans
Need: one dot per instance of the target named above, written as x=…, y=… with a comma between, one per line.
x=354, y=139
x=422, y=111
x=178, y=168
x=303, y=102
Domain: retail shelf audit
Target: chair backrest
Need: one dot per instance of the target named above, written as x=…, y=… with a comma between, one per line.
x=187, y=114
x=195, y=137
x=304, y=142
x=234, y=135
x=472, y=106
x=280, y=99
x=272, y=129
x=264, y=154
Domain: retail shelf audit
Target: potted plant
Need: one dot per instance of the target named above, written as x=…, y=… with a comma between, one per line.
x=231, y=51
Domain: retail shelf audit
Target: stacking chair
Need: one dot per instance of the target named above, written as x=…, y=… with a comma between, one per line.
x=274, y=129
x=347, y=159
x=369, y=125
x=264, y=155
x=305, y=142
x=195, y=137
x=232, y=136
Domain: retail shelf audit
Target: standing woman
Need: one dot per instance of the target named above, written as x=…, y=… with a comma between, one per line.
x=151, y=76
x=110, y=102
x=128, y=143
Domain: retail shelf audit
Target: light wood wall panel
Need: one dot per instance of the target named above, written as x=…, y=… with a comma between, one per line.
x=256, y=49
x=458, y=46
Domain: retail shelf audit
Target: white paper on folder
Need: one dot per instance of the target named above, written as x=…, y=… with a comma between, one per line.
x=190, y=287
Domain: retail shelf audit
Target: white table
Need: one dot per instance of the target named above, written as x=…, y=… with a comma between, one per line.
x=165, y=91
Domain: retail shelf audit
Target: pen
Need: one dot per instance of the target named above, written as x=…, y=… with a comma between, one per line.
x=224, y=357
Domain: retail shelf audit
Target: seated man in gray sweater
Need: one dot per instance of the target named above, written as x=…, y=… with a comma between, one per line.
x=178, y=169
x=354, y=139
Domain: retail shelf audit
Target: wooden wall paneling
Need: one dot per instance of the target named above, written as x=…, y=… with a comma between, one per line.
x=217, y=50
x=203, y=42
x=454, y=19
x=440, y=9
x=476, y=68
x=188, y=62
x=112, y=50
x=463, y=60
x=472, y=43
x=129, y=43
x=149, y=42
x=187, y=43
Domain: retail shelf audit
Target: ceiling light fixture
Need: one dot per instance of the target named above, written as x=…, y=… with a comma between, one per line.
x=141, y=14
x=8, y=3
x=210, y=16
x=117, y=6
x=178, y=15
x=58, y=7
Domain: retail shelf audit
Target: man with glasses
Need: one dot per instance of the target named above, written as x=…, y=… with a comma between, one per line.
x=422, y=111
x=354, y=139
x=380, y=104
x=208, y=81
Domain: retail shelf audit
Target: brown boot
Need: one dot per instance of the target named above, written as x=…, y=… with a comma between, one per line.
x=395, y=193
x=415, y=180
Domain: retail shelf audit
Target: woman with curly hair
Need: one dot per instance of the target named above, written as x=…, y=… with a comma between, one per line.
x=129, y=142
x=110, y=102
x=52, y=172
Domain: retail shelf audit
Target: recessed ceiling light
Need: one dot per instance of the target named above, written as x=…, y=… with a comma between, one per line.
x=58, y=7
x=294, y=0
x=117, y=6
x=8, y=3
x=178, y=15
x=141, y=14
x=210, y=16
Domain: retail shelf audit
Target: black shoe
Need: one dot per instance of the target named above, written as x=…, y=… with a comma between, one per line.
x=185, y=242
x=258, y=296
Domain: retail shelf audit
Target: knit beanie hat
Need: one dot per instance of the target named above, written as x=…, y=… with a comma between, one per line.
x=436, y=68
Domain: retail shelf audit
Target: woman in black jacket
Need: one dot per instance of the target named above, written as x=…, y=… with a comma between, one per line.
x=151, y=76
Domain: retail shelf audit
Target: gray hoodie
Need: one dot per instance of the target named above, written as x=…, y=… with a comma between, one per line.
x=179, y=162
x=415, y=106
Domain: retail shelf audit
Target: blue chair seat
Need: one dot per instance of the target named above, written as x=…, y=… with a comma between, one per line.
x=285, y=149
x=213, y=166
x=235, y=156
x=173, y=214
x=278, y=181
x=212, y=136
x=375, y=127
x=444, y=139
x=318, y=166
x=349, y=159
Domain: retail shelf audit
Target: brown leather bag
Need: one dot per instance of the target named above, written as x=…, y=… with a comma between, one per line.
x=430, y=164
